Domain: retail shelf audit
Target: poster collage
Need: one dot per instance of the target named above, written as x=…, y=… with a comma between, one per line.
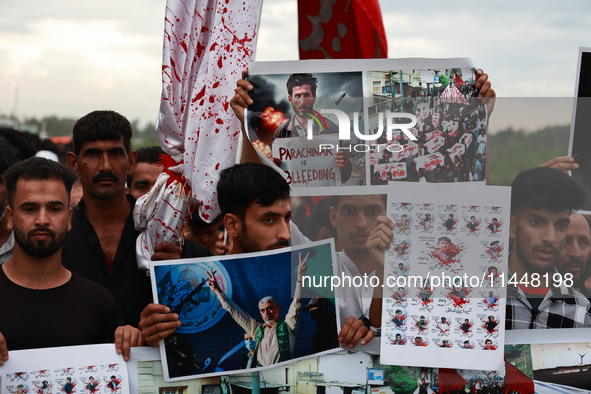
x=75, y=369
x=345, y=143
x=414, y=120
x=462, y=242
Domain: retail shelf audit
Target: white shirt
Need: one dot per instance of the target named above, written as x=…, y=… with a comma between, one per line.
x=355, y=300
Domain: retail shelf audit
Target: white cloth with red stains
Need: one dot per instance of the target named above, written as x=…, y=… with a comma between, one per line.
x=207, y=43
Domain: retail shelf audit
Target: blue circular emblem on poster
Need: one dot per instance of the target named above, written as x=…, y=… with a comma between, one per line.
x=183, y=288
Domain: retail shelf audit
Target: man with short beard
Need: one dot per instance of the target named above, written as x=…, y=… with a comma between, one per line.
x=47, y=304
x=256, y=208
x=542, y=200
x=365, y=232
x=275, y=338
x=577, y=250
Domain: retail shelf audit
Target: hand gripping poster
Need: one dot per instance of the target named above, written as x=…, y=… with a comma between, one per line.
x=382, y=120
x=243, y=312
x=444, y=300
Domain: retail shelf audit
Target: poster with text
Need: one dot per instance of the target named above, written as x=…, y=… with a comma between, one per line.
x=444, y=300
x=308, y=162
x=290, y=100
x=384, y=111
x=450, y=129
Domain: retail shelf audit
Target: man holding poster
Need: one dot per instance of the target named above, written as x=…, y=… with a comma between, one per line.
x=70, y=310
x=542, y=200
x=256, y=206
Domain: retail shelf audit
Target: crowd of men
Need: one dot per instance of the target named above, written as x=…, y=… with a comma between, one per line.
x=73, y=261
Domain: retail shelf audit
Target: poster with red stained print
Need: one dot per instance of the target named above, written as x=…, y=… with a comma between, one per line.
x=391, y=171
x=91, y=369
x=377, y=120
x=445, y=281
x=442, y=100
x=290, y=98
x=430, y=162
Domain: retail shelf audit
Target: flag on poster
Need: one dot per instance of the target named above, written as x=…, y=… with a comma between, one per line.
x=452, y=95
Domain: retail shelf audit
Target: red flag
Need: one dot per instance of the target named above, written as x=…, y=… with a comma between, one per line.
x=458, y=80
x=450, y=380
x=345, y=29
x=515, y=380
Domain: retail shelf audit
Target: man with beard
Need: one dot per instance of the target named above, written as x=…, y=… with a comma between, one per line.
x=542, y=200
x=301, y=93
x=256, y=208
x=575, y=254
x=275, y=338
x=49, y=305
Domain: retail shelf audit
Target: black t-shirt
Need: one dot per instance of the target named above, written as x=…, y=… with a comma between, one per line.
x=79, y=312
x=82, y=253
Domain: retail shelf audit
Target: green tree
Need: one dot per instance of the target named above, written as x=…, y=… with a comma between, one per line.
x=400, y=380
x=511, y=152
x=520, y=357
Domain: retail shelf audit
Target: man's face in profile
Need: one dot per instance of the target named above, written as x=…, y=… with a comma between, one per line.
x=577, y=249
x=302, y=100
x=538, y=236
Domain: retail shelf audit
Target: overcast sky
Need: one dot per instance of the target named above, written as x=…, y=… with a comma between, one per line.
x=69, y=57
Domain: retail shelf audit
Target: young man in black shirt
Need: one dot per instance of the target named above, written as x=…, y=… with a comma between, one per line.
x=55, y=306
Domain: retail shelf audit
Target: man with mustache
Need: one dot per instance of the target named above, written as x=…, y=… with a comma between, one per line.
x=256, y=209
x=101, y=245
x=542, y=200
x=47, y=305
x=574, y=256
